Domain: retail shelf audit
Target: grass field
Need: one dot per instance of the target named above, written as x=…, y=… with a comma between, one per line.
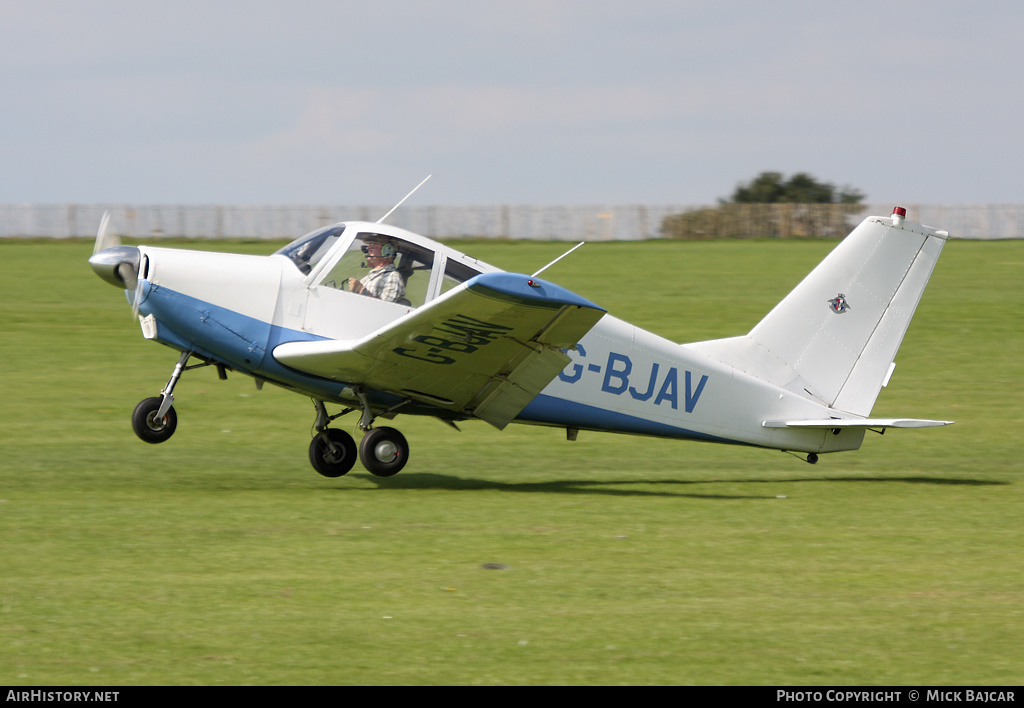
x=221, y=557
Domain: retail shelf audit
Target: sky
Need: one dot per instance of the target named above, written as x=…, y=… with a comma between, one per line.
x=524, y=102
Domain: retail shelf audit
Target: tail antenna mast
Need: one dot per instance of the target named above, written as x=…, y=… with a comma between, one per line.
x=381, y=219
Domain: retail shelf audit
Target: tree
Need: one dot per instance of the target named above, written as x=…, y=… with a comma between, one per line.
x=801, y=188
x=770, y=205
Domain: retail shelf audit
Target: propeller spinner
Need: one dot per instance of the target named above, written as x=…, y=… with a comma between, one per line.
x=116, y=264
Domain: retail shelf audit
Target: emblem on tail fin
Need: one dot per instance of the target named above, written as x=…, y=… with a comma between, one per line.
x=838, y=304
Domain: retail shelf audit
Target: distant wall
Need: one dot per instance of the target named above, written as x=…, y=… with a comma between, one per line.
x=534, y=222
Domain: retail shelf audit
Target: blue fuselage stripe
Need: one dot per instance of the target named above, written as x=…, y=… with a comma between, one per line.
x=549, y=410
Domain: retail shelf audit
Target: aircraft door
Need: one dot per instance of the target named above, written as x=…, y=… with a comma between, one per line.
x=377, y=279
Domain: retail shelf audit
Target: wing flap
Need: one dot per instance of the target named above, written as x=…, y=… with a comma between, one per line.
x=486, y=348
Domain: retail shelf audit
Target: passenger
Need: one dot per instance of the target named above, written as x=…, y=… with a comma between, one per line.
x=383, y=282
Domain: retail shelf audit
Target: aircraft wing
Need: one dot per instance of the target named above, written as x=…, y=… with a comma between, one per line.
x=484, y=349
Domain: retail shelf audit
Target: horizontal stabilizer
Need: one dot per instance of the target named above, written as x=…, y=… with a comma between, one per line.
x=857, y=423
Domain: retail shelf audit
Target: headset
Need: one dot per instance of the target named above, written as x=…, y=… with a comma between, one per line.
x=387, y=250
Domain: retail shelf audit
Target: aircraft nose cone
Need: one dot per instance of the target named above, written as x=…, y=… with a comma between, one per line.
x=118, y=265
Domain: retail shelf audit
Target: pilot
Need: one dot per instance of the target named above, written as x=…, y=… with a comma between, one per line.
x=383, y=282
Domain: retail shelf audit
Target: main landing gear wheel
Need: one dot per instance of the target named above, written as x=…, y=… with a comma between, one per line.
x=148, y=427
x=332, y=452
x=384, y=451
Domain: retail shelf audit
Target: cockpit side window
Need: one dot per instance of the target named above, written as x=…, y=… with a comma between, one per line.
x=307, y=251
x=370, y=253
x=456, y=273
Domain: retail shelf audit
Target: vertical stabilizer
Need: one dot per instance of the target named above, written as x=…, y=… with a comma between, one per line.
x=834, y=337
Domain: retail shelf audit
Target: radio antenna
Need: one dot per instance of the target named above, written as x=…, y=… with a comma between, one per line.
x=381, y=219
x=558, y=259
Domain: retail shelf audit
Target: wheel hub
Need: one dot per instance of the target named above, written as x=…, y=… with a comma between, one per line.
x=385, y=451
x=334, y=453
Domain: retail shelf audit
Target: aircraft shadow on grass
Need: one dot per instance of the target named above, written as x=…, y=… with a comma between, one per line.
x=635, y=488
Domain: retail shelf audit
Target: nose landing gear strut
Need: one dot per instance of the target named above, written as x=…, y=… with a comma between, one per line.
x=154, y=419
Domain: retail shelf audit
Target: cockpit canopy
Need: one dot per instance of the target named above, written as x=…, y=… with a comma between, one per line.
x=426, y=269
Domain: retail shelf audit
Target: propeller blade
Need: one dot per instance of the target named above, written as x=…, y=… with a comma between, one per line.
x=105, y=240
x=128, y=273
x=136, y=297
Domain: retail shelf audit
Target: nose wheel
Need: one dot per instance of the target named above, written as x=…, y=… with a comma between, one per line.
x=154, y=419
x=152, y=426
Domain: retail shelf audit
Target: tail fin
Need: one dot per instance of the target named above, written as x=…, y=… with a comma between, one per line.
x=834, y=337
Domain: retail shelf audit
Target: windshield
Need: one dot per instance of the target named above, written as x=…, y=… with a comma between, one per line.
x=306, y=252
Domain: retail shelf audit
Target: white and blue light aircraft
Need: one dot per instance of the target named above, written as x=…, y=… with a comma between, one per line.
x=461, y=340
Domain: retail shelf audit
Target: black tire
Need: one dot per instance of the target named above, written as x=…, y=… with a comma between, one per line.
x=146, y=426
x=332, y=453
x=384, y=451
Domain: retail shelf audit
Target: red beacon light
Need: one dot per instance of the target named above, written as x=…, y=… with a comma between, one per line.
x=898, y=215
